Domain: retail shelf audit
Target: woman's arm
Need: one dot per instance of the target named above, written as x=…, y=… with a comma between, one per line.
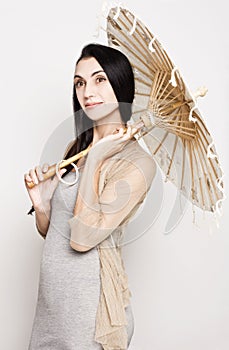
x=41, y=195
x=42, y=220
x=95, y=217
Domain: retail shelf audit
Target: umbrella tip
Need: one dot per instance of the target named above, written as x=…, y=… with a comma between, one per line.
x=200, y=92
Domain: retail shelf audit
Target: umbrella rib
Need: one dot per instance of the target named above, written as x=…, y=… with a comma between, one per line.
x=133, y=44
x=176, y=120
x=157, y=46
x=142, y=71
x=168, y=85
x=141, y=94
x=140, y=111
x=183, y=166
x=168, y=109
x=163, y=57
x=136, y=30
x=143, y=81
x=162, y=75
x=179, y=122
x=192, y=174
x=210, y=160
x=153, y=88
x=170, y=92
x=181, y=132
x=184, y=133
x=160, y=123
x=161, y=49
x=183, y=163
x=146, y=32
x=199, y=119
x=169, y=102
x=177, y=105
x=205, y=169
x=164, y=90
x=178, y=127
x=200, y=129
x=172, y=158
x=175, y=115
x=168, y=59
x=157, y=52
x=208, y=163
x=158, y=65
x=129, y=49
x=160, y=144
x=199, y=178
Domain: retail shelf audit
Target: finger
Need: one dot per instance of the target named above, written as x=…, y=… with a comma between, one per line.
x=133, y=131
x=118, y=131
x=27, y=178
x=127, y=134
x=45, y=168
x=62, y=171
x=129, y=130
x=39, y=173
x=56, y=178
x=33, y=176
x=118, y=134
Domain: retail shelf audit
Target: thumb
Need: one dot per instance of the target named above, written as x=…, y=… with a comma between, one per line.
x=58, y=175
x=62, y=171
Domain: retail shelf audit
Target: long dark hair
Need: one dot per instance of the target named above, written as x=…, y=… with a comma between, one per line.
x=120, y=74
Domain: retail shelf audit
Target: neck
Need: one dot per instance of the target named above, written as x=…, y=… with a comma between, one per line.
x=106, y=127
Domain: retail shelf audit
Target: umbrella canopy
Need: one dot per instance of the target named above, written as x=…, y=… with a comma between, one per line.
x=175, y=132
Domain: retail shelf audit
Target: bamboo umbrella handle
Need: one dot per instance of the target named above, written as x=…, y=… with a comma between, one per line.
x=53, y=168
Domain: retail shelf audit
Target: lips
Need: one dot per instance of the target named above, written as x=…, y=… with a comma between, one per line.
x=92, y=104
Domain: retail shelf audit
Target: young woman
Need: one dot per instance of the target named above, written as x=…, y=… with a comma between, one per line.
x=83, y=298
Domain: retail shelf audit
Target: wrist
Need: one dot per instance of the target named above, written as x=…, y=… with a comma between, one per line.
x=42, y=208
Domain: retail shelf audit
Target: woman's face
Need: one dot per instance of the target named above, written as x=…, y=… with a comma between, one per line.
x=94, y=91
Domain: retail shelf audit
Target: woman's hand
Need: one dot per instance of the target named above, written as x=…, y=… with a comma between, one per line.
x=111, y=144
x=43, y=190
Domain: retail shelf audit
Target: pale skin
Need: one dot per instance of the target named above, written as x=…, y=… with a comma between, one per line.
x=97, y=99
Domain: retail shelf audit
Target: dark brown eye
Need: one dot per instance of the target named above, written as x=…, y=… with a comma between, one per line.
x=79, y=83
x=100, y=79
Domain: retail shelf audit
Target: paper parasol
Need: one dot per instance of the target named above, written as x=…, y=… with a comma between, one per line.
x=178, y=138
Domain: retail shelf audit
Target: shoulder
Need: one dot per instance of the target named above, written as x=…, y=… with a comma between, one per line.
x=131, y=159
x=145, y=162
x=134, y=152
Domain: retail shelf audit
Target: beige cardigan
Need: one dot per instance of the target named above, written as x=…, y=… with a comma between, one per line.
x=123, y=184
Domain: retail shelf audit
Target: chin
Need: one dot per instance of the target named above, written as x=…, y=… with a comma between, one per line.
x=102, y=111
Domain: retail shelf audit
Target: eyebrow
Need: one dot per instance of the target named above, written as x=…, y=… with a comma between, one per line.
x=98, y=71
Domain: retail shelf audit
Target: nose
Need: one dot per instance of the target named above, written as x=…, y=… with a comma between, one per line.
x=89, y=90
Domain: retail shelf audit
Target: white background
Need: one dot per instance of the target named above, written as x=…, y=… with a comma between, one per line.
x=179, y=281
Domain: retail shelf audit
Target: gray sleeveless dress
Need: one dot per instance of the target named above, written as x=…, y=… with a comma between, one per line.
x=69, y=284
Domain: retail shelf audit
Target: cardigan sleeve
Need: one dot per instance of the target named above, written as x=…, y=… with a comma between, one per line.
x=122, y=192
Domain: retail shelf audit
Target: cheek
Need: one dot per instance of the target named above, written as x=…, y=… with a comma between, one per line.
x=110, y=94
x=79, y=95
